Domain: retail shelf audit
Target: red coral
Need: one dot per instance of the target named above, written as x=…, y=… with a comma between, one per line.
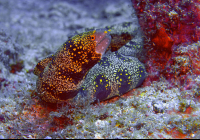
x=167, y=25
x=162, y=40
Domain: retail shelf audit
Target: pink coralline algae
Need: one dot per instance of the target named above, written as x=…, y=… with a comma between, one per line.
x=170, y=27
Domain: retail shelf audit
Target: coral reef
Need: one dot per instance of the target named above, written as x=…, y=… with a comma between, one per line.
x=165, y=106
x=168, y=26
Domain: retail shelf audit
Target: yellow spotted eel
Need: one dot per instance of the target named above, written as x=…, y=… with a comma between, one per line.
x=95, y=64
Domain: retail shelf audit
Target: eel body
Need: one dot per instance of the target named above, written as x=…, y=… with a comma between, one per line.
x=61, y=75
x=95, y=64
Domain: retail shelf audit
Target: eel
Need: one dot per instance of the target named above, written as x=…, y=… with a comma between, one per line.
x=61, y=75
x=119, y=70
x=110, y=68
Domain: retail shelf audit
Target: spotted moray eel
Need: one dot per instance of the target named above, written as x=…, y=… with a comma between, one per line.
x=93, y=65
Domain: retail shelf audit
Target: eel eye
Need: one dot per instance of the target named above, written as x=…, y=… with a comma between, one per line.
x=92, y=37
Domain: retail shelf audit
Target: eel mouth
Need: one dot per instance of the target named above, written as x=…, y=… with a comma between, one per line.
x=103, y=39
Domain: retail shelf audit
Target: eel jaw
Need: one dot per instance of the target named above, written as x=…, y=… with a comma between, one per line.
x=103, y=40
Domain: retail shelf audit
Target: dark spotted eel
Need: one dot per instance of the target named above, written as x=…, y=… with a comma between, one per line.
x=95, y=64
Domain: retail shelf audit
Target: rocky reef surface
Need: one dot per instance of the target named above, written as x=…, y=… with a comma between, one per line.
x=165, y=106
